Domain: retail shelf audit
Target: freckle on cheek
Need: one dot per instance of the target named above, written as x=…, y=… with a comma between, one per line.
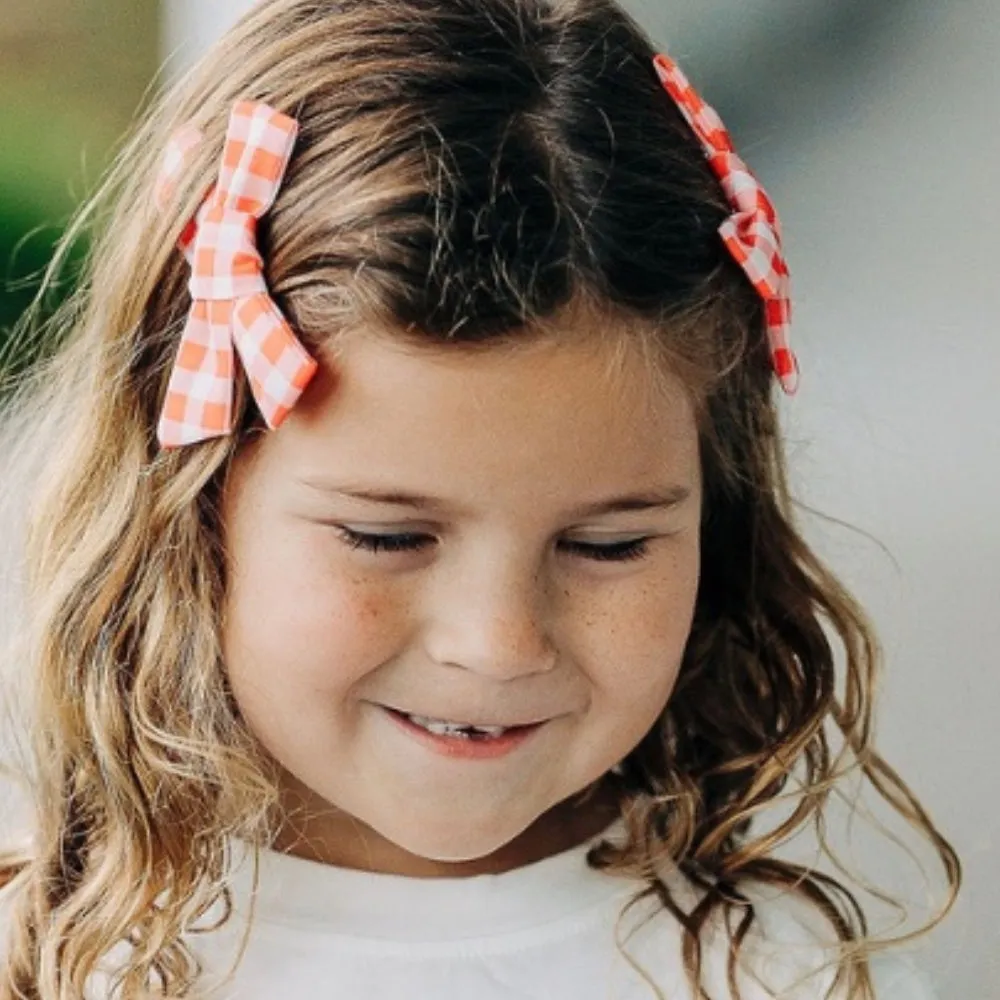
x=369, y=609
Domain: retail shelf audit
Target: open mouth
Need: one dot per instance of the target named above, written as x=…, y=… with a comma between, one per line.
x=456, y=730
x=463, y=739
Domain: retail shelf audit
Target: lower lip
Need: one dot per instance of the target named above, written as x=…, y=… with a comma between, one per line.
x=464, y=748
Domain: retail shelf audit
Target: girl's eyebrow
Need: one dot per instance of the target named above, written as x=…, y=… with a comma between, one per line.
x=662, y=498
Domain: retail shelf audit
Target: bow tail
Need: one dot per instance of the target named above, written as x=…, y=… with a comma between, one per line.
x=755, y=245
x=277, y=365
x=786, y=366
x=199, y=401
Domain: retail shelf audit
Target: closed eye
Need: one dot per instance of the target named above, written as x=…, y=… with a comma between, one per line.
x=635, y=548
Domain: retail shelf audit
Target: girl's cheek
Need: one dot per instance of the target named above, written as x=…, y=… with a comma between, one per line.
x=299, y=604
x=350, y=622
x=311, y=650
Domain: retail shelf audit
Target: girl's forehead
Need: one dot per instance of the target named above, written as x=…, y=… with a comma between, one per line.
x=563, y=415
x=548, y=378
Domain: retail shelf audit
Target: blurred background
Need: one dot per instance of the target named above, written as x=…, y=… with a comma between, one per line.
x=71, y=76
x=873, y=125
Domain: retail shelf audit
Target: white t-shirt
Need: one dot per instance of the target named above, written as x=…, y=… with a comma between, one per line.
x=546, y=930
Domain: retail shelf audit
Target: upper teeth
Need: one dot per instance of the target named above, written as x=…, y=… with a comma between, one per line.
x=443, y=728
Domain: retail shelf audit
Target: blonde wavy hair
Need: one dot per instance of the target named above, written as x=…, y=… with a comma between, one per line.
x=465, y=170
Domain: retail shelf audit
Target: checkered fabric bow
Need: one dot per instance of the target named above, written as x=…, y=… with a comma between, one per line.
x=231, y=304
x=753, y=232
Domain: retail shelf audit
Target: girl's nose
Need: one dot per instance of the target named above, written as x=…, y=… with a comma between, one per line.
x=492, y=623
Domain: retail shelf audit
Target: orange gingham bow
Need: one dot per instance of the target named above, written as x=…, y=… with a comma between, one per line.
x=753, y=232
x=231, y=304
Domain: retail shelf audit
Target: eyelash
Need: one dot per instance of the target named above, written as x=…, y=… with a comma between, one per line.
x=618, y=552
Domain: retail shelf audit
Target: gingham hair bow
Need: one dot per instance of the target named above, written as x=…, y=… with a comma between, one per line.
x=231, y=304
x=753, y=232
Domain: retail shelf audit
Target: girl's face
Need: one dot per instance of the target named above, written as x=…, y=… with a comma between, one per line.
x=538, y=527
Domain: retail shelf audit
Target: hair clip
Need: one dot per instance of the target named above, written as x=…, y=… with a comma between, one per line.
x=230, y=302
x=752, y=233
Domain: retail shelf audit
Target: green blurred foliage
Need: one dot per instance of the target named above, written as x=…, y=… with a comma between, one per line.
x=72, y=75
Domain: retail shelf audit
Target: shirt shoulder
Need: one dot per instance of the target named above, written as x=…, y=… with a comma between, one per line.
x=794, y=937
x=897, y=977
x=790, y=952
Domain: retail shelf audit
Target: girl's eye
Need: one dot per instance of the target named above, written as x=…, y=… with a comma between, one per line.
x=385, y=543
x=616, y=552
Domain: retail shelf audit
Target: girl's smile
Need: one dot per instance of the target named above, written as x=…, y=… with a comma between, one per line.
x=499, y=539
x=463, y=742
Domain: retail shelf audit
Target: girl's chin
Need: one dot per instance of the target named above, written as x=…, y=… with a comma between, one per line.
x=426, y=842
x=490, y=848
x=456, y=851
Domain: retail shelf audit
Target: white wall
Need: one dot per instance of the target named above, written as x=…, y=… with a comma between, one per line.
x=887, y=190
x=893, y=221
x=190, y=26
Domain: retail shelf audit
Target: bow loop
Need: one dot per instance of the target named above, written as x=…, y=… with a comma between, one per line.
x=177, y=158
x=702, y=117
x=259, y=143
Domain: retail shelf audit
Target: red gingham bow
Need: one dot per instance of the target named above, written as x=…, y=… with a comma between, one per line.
x=230, y=301
x=752, y=233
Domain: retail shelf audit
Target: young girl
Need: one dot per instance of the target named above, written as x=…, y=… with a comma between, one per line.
x=414, y=606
